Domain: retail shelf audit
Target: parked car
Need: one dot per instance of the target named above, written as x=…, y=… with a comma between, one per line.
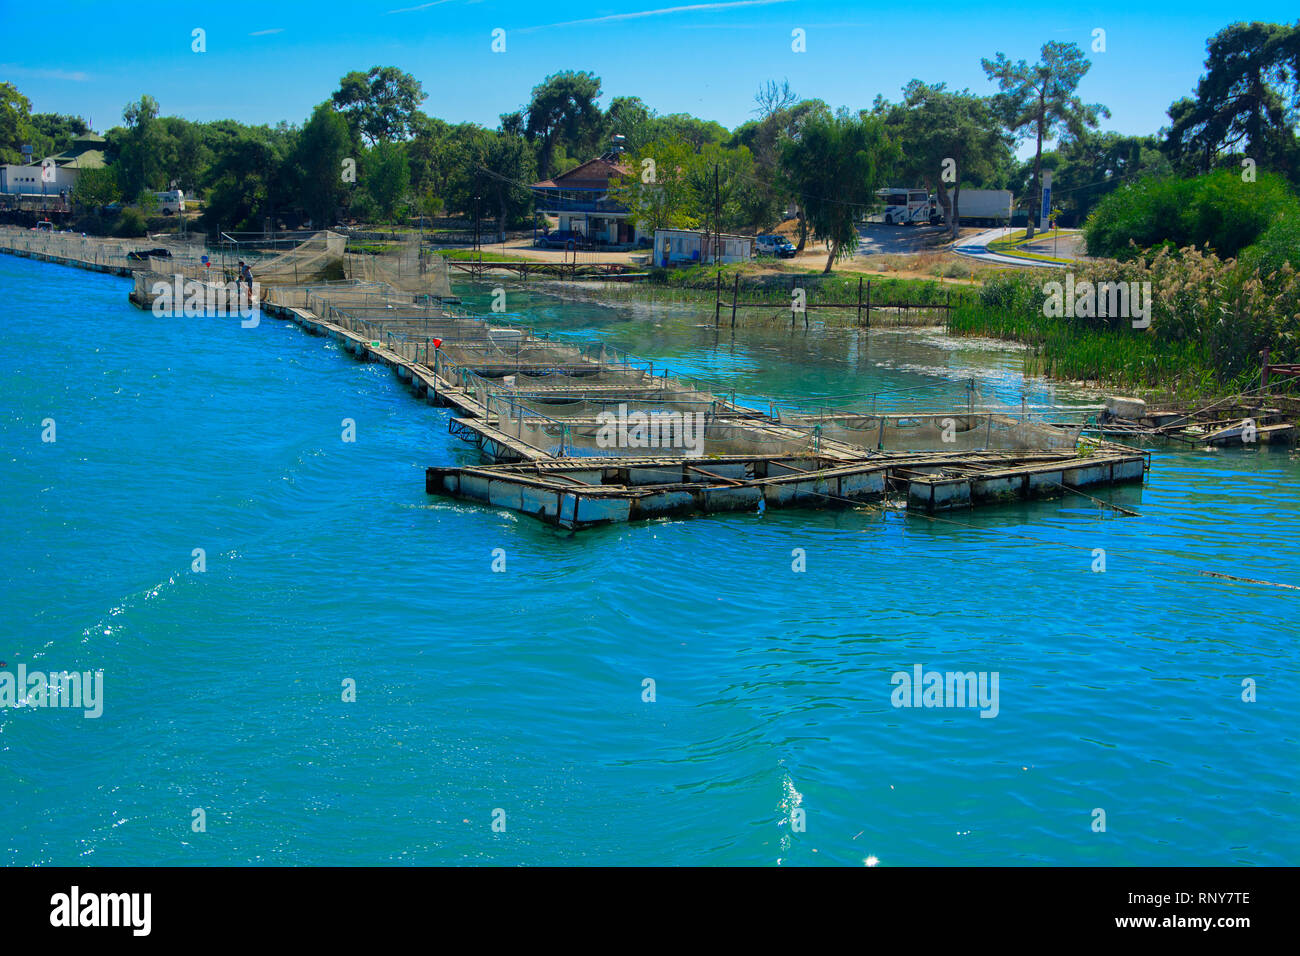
x=774, y=245
x=139, y=255
x=560, y=239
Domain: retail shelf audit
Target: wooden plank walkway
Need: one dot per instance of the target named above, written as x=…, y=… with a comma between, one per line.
x=524, y=267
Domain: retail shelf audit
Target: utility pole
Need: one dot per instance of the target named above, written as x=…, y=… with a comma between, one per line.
x=717, y=221
x=477, y=220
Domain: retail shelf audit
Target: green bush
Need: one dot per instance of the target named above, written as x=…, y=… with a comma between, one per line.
x=364, y=208
x=130, y=224
x=92, y=224
x=1018, y=293
x=1276, y=246
x=1217, y=210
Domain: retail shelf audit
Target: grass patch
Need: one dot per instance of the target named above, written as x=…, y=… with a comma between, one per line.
x=1069, y=349
x=469, y=255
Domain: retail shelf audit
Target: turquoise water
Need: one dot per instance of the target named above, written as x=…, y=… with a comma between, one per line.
x=522, y=690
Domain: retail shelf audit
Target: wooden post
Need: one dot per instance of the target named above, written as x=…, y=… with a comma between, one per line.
x=859, y=300
x=735, y=295
x=717, y=299
x=868, y=303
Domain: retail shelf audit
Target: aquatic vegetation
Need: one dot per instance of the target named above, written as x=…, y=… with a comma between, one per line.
x=1210, y=319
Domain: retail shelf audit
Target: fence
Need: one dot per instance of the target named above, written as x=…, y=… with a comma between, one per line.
x=804, y=305
x=74, y=248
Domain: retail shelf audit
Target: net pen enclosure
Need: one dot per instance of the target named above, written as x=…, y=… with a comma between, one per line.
x=586, y=492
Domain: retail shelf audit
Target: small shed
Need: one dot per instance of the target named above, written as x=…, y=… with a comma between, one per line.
x=675, y=247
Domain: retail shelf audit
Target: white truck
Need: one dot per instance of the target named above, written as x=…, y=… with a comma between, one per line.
x=983, y=207
x=975, y=206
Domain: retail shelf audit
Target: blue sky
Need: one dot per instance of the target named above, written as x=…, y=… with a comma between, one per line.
x=274, y=61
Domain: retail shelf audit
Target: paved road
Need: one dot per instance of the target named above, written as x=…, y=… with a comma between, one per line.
x=875, y=238
x=976, y=247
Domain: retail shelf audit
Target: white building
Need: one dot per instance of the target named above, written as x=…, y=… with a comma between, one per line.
x=20, y=180
x=675, y=247
x=54, y=174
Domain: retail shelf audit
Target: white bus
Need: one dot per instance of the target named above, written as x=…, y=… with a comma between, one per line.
x=903, y=206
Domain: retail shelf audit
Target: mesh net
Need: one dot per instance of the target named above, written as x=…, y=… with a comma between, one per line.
x=638, y=432
x=312, y=260
x=403, y=265
x=949, y=431
x=113, y=253
x=565, y=398
x=587, y=408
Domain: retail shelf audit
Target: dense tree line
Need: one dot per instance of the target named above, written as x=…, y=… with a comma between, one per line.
x=370, y=152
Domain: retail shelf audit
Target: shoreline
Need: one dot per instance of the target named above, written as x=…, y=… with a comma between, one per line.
x=109, y=258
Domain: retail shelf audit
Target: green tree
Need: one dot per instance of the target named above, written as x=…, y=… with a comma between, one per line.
x=507, y=165
x=15, y=123
x=52, y=133
x=1041, y=98
x=563, y=109
x=630, y=118
x=1087, y=169
x=381, y=103
x=425, y=152
x=95, y=188
x=1244, y=102
x=694, y=131
x=765, y=140
x=386, y=178
x=317, y=164
x=139, y=165
x=246, y=183
x=1217, y=210
x=946, y=138
x=147, y=203
x=657, y=188
x=835, y=167
x=183, y=154
x=462, y=182
x=725, y=194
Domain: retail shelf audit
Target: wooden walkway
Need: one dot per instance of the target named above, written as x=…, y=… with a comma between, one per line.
x=523, y=268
